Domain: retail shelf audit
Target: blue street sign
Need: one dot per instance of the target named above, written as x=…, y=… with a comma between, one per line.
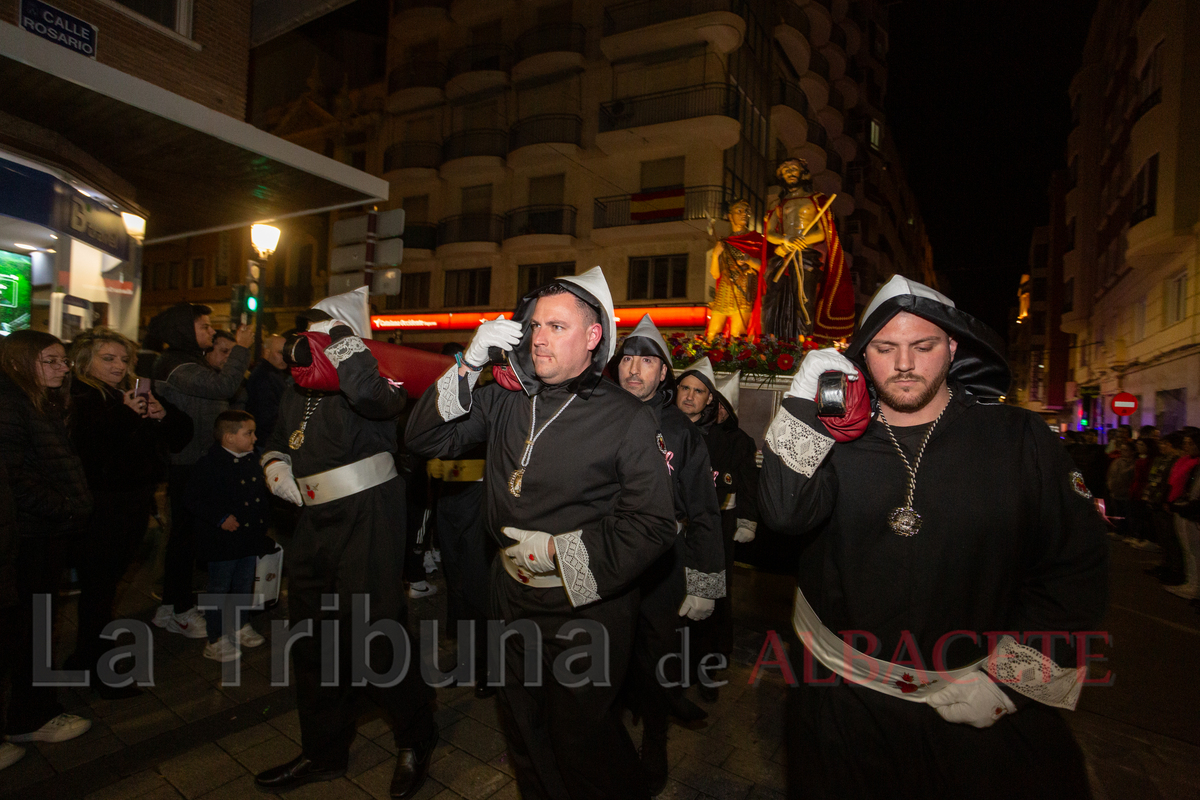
x=59, y=27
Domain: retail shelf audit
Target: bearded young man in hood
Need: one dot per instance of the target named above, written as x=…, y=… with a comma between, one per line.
x=957, y=549
x=579, y=501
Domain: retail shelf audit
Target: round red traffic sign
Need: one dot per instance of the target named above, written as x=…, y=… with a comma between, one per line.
x=1124, y=404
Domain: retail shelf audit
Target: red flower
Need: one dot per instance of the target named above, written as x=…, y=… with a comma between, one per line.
x=746, y=355
x=785, y=362
x=906, y=688
x=716, y=356
x=678, y=351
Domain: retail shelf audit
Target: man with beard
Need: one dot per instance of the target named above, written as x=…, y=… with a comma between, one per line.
x=579, y=501
x=805, y=288
x=955, y=548
x=689, y=578
x=712, y=406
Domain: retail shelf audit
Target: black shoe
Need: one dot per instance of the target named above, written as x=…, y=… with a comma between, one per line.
x=296, y=772
x=684, y=710
x=654, y=761
x=412, y=767
x=483, y=691
x=709, y=694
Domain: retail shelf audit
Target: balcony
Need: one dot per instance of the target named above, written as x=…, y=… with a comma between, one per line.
x=420, y=236
x=794, y=34
x=477, y=68
x=707, y=112
x=838, y=36
x=416, y=20
x=831, y=115
x=526, y=136
x=813, y=149
x=640, y=27
x=789, y=113
x=815, y=82
x=472, y=13
x=654, y=214
x=539, y=227
x=548, y=49
x=474, y=153
x=470, y=233
x=414, y=160
x=416, y=84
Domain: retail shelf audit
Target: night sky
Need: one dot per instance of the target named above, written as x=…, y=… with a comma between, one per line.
x=977, y=102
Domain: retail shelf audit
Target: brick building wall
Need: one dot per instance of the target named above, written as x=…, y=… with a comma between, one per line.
x=212, y=69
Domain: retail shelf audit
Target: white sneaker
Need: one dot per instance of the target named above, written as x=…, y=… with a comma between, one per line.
x=430, y=566
x=10, y=754
x=59, y=729
x=248, y=637
x=421, y=589
x=190, y=623
x=222, y=650
x=163, y=616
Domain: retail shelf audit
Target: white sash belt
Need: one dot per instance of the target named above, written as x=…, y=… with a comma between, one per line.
x=334, y=484
x=521, y=575
x=873, y=673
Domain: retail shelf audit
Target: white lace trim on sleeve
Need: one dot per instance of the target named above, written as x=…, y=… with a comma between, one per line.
x=798, y=446
x=448, y=403
x=342, y=349
x=1028, y=671
x=573, y=564
x=709, y=585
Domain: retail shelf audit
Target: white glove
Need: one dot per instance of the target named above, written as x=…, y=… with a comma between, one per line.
x=975, y=700
x=745, y=531
x=532, y=550
x=326, y=325
x=282, y=483
x=813, y=365
x=697, y=608
x=499, y=332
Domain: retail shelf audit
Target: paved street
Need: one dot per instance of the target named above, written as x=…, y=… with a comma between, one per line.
x=191, y=737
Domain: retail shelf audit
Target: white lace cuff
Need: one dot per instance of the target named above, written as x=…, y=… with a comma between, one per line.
x=798, y=446
x=448, y=402
x=342, y=349
x=709, y=585
x=274, y=455
x=1028, y=671
x=577, y=576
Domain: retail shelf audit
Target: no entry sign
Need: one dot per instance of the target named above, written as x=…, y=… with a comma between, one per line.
x=1124, y=404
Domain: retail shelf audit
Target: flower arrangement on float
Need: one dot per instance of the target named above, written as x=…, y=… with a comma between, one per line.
x=766, y=356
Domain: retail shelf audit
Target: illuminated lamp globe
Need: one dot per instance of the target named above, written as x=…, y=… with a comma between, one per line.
x=264, y=238
x=135, y=226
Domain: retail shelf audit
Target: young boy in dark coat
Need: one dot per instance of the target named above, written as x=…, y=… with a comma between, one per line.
x=229, y=503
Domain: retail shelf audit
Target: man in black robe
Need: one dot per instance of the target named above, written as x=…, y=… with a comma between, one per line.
x=945, y=541
x=579, y=501
x=346, y=548
x=712, y=406
x=687, y=580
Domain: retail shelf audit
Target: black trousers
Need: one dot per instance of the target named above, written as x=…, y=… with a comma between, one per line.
x=566, y=743
x=417, y=517
x=353, y=546
x=179, y=558
x=715, y=634
x=467, y=553
x=40, y=563
x=102, y=555
x=658, y=635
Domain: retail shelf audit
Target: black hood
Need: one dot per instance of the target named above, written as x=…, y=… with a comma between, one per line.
x=176, y=328
x=979, y=364
x=645, y=340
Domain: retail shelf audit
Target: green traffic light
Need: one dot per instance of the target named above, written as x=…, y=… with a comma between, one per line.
x=252, y=304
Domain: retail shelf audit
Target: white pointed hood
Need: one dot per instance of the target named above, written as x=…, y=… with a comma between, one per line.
x=703, y=370
x=728, y=389
x=593, y=283
x=352, y=307
x=654, y=342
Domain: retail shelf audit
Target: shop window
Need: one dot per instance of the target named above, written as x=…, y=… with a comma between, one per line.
x=533, y=276
x=468, y=287
x=658, y=277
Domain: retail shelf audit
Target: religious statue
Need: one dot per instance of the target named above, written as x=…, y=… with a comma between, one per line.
x=735, y=262
x=806, y=290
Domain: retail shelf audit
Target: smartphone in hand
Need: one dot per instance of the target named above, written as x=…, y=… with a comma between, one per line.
x=141, y=387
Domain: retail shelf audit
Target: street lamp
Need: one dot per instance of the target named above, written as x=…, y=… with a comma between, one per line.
x=135, y=226
x=264, y=238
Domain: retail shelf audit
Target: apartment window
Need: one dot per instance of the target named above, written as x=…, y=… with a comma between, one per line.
x=174, y=15
x=532, y=276
x=1145, y=191
x=468, y=287
x=1069, y=244
x=197, y=281
x=658, y=277
x=1139, y=320
x=1175, y=299
x=414, y=290
x=1149, y=86
x=875, y=130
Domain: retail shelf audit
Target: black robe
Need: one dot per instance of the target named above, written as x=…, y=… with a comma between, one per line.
x=1009, y=542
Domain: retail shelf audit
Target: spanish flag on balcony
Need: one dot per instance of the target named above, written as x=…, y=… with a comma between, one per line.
x=661, y=204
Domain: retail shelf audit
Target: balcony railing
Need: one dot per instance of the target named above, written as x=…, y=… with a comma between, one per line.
x=649, y=109
x=640, y=13
x=412, y=155
x=833, y=161
x=544, y=219
x=557, y=128
x=420, y=236
x=471, y=228
x=406, y=5
x=838, y=36
x=816, y=133
x=819, y=64
x=561, y=37
x=790, y=95
x=485, y=142
x=417, y=74
x=480, y=57
x=696, y=202
x=794, y=16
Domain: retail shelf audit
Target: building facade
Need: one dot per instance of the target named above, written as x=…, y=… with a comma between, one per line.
x=534, y=139
x=1130, y=214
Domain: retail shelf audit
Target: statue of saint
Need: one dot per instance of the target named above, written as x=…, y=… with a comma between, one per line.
x=735, y=262
x=807, y=289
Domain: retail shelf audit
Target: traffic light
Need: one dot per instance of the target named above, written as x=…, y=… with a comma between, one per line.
x=238, y=305
x=252, y=274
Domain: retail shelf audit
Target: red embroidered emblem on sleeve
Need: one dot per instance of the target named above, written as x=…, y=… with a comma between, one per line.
x=1079, y=486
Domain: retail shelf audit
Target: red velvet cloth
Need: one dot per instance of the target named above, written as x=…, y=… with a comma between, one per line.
x=415, y=370
x=858, y=412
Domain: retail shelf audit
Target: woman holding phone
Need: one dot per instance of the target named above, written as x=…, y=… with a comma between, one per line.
x=121, y=431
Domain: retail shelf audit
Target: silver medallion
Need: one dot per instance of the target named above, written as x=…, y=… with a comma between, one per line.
x=514, y=482
x=905, y=521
